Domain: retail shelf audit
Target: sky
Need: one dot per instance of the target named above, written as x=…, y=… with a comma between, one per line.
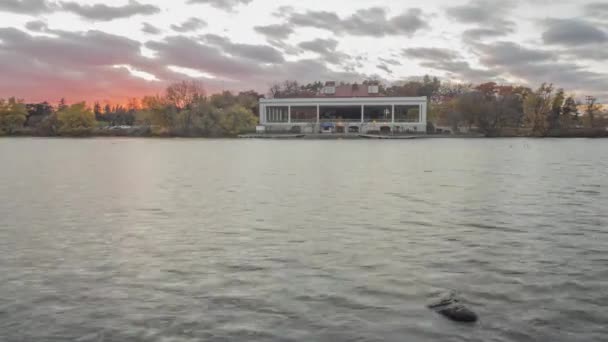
x=112, y=50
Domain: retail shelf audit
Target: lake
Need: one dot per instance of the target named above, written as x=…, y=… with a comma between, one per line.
x=270, y=240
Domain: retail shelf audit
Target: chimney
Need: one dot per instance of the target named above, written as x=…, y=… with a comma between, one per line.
x=330, y=88
x=373, y=88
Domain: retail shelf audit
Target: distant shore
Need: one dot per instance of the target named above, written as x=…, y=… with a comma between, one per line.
x=146, y=132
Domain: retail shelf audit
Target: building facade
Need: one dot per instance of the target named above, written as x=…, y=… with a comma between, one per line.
x=329, y=114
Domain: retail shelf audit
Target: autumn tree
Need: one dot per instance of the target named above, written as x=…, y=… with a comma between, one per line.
x=537, y=107
x=591, y=110
x=570, y=114
x=554, y=116
x=13, y=114
x=184, y=93
x=236, y=119
x=76, y=119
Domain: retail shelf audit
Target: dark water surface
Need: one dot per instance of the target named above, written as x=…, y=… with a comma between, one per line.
x=241, y=240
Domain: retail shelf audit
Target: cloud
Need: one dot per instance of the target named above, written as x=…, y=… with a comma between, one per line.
x=78, y=65
x=438, y=54
x=275, y=32
x=326, y=48
x=242, y=72
x=191, y=24
x=484, y=12
x=104, y=12
x=150, y=29
x=536, y=66
x=227, y=5
x=190, y=53
x=449, y=61
x=481, y=33
x=597, y=10
x=365, y=22
x=572, y=32
x=385, y=68
x=512, y=54
x=390, y=61
x=36, y=25
x=26, y=6
x=260, y=53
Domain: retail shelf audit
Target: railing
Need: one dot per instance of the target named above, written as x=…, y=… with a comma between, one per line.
x=313, y=120
x=386, y=121
x=340, y=120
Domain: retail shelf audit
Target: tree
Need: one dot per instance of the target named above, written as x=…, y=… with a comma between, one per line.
x=62, y=104
x=161, y=112
x=184, y=93
x=97, y=111
x=13, y=114
x=76, y=119
x=570, y=114
x=591, y=109
x=553, y=120
x=236, y=119
x=37, y=112
x=537, y=107
x=288, y=89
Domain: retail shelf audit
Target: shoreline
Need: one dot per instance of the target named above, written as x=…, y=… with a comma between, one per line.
x=306, y=136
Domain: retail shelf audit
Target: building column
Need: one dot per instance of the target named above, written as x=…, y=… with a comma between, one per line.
x=318, y=114
x=362, y=113
x=262, y=114
x=393, y=114
x=288, y=114
x=422, y=116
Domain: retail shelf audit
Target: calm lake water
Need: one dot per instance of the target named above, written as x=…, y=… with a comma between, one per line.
x=246, y=240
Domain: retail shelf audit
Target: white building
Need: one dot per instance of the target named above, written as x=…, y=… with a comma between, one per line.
x=329, y=114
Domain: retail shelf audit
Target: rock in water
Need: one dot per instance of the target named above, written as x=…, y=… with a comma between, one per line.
x=450, y=307
x=458, y=313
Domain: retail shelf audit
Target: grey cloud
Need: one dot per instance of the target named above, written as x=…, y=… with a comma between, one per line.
x=190, y=53
x=487, y=12
x=597, y=10
x=226, y=5
x=385, y=68
x=261, y=53
x=591, y=52
x=481, y=33
x=191, y=24
x=437, y=54
x=326, y=48
x=511, y=54
x=76, y=63
x=36, y=25
x=104, y=12
x=26, y=6
x=390, y=61
x=450, y=62
x=572, y=32
x=275, y=32
x=366, y=22
x=150, y=29
x=533, y=66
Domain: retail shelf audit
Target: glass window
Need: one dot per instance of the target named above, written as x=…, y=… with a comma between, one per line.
x=377, y=113
x=409, y=113
x=277, y=114
x=304, y=114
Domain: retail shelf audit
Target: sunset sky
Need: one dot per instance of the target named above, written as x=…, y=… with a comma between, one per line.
x=114, y=49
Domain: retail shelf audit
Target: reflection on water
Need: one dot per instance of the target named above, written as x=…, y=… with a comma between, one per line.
x=233, y=240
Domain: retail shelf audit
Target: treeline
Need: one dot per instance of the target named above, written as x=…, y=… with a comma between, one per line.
x=183, y=110
x=487, y=108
